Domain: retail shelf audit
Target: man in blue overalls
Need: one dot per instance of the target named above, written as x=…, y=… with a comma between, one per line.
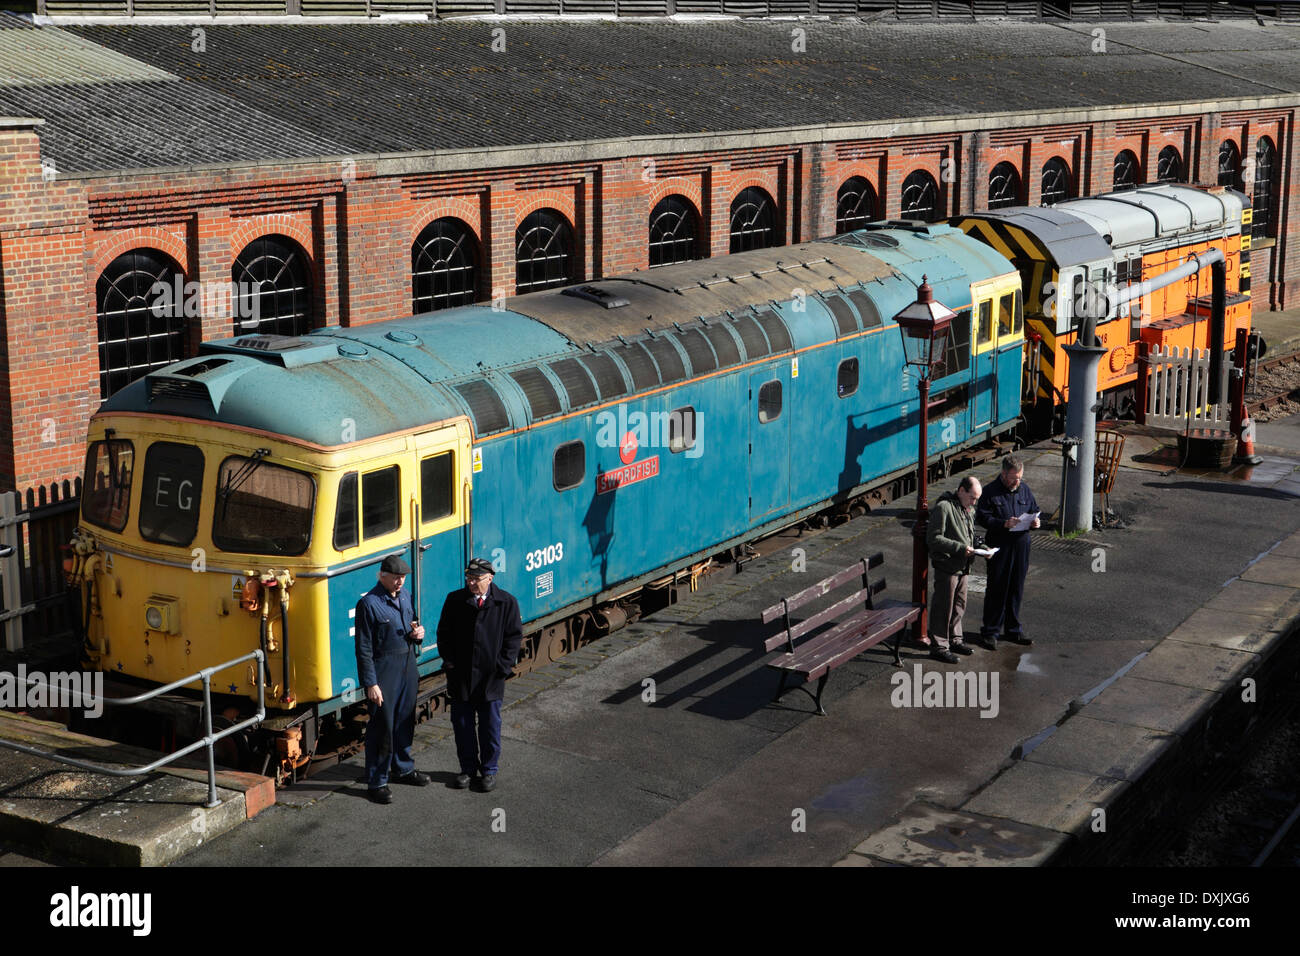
x=1005, y=499
x=388, y=641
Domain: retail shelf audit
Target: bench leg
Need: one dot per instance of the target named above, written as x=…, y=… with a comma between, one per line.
x=898, y=645
x=821, y=685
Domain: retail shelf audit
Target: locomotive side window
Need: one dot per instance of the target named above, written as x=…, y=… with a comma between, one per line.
x=1018, y=314
x=381, y=496
x=262, y=508
x=1006, y=314
x=681, y=429
x=106, y=483
x=986, y=323
x=569, y=466
x=169, y=504
x=956, y=352
x=436, y=487
x=846, y=378
x=769, y=402
x=345, y=518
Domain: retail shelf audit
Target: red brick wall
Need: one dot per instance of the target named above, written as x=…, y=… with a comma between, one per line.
x=357, y=228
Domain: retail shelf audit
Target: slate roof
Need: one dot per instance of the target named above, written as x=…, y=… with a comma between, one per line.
x=264, y=92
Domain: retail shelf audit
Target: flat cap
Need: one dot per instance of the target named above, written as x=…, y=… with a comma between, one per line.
x=393, y=564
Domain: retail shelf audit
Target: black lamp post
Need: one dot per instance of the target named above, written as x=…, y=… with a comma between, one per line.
x=924, y=325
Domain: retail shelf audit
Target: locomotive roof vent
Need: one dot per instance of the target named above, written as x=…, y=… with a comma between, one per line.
x=288, y=351
x=595, y=294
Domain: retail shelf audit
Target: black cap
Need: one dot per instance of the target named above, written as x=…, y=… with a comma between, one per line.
x=393, y=564
x=480, y=566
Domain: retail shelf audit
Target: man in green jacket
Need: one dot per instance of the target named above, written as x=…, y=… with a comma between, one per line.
x=951, y=538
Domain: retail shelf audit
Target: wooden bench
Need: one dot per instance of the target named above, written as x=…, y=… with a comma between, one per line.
x=820, y=654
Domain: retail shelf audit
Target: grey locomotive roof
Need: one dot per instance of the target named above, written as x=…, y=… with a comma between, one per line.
x=1071, y=241
x=304, y=90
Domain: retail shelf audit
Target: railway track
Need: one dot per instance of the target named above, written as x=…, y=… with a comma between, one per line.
x=1275, y=389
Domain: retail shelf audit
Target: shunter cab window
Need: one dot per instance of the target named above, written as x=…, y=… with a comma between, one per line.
x=262, y=508
x=169, y=502
x=986, y=323
x=436, y=488
x=106, y=483
x=769, y=402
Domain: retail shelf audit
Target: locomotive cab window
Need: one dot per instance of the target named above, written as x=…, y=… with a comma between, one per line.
x=169, y=503
x=1006, y=315
x=986, y=323
x=436, y=488
x=1018, y=314
x=262, y=508
x=569, y=466
x=106, y=483
x=846, y=378
x=345, y=518
x=381, y=502
x=769, y=402
x=681, y=429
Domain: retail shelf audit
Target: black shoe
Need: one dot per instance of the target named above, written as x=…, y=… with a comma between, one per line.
x=961, y=649
x=488, y=783
x=988, y=643
x=939, y=654
x=414, y=779
x=462, y=781
x=380, y=795
x=1018, y=639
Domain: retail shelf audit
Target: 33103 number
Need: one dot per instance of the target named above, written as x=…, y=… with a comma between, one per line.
x=544, y=556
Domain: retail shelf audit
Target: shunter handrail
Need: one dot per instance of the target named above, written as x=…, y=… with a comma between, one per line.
x=207, y=740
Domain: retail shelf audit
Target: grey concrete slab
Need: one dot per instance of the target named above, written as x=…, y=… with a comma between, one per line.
x=935, y=836
x=1251, y=597
x=1255, y=633
x=1152, y=704
x=1288, y=546
x=1275, y=569
x=1195, y=665
x=1045, y=796
x=1102, y=749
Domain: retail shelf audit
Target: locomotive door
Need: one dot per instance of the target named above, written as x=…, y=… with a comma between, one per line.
x=983, y=364
x=439, y=506
x=769, y=444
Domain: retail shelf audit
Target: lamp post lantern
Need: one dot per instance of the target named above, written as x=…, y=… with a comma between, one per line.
x=924, y=325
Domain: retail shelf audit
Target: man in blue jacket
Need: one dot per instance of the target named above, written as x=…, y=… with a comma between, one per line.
x=388, y=641
x=479, y=633
x=1005, y=499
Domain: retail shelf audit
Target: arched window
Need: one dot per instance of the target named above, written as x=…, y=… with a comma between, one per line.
x=1127, y=172
x=754, y=223
x=273, y=288
x=1004, y=186
x=674, y=231
x=544, y=252
x=1265, y=191
x=140, y=315
x=444, y=266
x=855, y=205
x=1229, y=165
x=921, y=197
x=1169, y=166
x=1057, y=182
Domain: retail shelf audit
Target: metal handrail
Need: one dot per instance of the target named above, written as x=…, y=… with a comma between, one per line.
x=207, y=740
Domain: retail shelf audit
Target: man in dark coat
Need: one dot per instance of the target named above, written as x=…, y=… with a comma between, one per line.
x=388, y=641
x=479, y=634
x=1005, y=499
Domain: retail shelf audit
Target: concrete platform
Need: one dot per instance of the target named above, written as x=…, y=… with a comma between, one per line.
x=56, y=812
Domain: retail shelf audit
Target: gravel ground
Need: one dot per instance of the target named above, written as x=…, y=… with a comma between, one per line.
x=1270, y=383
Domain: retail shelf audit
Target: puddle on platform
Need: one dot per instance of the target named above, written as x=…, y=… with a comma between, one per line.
x=851, y=796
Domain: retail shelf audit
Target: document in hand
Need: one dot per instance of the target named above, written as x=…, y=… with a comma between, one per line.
x=986, y=552
x=1024, y=521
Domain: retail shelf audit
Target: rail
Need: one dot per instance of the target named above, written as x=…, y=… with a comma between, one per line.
x=207, y=740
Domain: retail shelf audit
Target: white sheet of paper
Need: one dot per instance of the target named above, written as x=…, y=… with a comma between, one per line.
x=1024, y=521
x=986, y=552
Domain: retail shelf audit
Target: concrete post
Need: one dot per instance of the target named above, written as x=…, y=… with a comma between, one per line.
x=1081, y=423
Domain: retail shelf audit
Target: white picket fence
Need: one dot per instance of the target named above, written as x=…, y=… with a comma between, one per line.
x=1178, y=388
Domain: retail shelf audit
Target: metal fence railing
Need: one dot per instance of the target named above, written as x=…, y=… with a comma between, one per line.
x=207, y=740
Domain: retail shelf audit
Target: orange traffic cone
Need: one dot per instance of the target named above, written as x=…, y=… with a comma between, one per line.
x=1246, y=441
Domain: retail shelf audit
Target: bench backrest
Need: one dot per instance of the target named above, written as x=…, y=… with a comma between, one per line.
x=863, y=598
